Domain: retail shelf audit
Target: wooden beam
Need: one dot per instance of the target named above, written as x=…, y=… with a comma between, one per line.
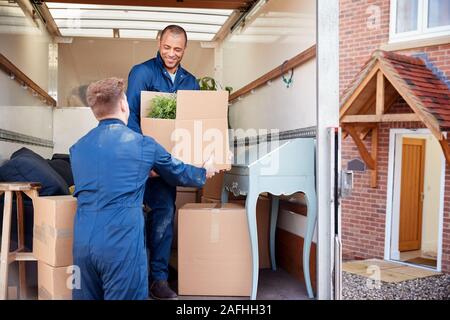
x=358, y=90
x=388, y=104
x=49, y=22
x=32, y=194
x=21, y=256
x=12, y=71
x=21, y=245
x=380, y=93
x=364, y=132
x=365, y=155
x=4, y=251
x=374, y=173
x=366, y=129
x=400, y=117
x=373, y=118
x=226, y=28
x=200, y=4
x=361, y=127
x=298, y=60
x=446, y=149
x=27, y=11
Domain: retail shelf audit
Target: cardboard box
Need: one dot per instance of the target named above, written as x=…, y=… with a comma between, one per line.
x=53, y=229
x=54, y=283
x=213, y=186
x=200, y=127
x=214, y=257
x=263, y=208
x=184, y=196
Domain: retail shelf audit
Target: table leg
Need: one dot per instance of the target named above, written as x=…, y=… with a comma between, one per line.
x=21, y=245
x=4, y=255
x=310, y=194
x=224, y=197
x=250, y=206
x=273, y=228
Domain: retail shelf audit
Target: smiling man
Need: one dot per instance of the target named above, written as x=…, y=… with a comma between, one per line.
x=163, y=74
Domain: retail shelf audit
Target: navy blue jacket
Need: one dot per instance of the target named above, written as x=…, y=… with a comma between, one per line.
x=152, y=76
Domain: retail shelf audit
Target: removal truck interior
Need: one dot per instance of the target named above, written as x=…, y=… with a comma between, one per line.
x=264, y=50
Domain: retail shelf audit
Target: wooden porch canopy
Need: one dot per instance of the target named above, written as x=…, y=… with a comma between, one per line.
x=384, y=78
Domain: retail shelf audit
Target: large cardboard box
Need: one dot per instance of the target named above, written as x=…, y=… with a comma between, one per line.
x=53, y=229
x=214, y=257
x=200, y=127
x=184, y=196
x=54, y=283
x=263, y=208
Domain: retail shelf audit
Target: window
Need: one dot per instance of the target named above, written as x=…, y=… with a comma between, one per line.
x=406, y=15
x=438, y=13
x=419, y=19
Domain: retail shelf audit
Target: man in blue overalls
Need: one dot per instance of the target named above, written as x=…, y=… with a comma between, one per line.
x=111, y=165
x=162, y=74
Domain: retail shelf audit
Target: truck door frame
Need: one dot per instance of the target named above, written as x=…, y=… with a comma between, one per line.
x=327, y=33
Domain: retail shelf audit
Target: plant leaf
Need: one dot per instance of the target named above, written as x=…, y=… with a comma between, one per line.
x=163, y=107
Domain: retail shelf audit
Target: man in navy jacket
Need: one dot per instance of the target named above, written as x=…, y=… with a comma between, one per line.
x=111, y=165
x=162, y=74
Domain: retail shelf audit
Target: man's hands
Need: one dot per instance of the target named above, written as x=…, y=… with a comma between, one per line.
x=209, y=165
x=211, y=169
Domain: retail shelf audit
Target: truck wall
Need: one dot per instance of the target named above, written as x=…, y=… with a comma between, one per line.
x=20, y=111
x=87, y=59
x=70, y=124
x=280, y=31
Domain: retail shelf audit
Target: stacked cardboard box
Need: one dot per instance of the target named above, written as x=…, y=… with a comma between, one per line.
x=263, y=226
x=199, y=129
x=212, y=192
x=214, y=257
x=52, y=245
x=184, y=196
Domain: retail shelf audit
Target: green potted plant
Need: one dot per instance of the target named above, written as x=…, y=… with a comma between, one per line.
x=208, y=83
x=163, y=107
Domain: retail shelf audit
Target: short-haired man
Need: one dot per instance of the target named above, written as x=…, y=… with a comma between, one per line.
x=163, y=74
x=111, y=165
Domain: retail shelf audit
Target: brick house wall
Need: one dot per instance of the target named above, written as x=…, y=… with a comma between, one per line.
x=364, y=213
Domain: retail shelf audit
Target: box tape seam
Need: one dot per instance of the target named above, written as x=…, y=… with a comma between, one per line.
x=43, y=232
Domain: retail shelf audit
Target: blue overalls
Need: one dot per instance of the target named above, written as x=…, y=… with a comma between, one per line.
x=111, y=165
x=160, y=194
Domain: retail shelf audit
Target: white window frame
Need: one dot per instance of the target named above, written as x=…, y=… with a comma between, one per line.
x=422, y=32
